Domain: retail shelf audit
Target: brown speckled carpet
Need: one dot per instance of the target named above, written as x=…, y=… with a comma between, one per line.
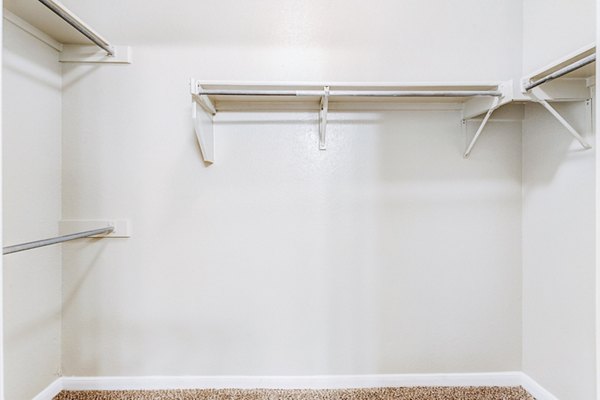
x=406, y=393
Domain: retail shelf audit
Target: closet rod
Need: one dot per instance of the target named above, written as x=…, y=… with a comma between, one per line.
x=350, y=93
x=78, y=24
x=561, y=72
x=55, y=240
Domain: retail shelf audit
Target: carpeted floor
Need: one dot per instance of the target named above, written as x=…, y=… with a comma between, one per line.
x=413, y=393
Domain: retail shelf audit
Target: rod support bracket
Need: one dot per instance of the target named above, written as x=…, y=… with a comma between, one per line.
x=524, y=82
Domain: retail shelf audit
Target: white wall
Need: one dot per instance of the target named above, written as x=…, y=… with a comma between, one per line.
x=386, y=253
x=1, y=241
x=555, y=28
x=558, y=215
x=336, y=40
x=597, y=185
x=31, y=97
x=127, y=132
x=558, y=255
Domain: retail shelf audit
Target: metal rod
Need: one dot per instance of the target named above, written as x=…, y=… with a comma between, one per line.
x=55, y=240
x=561, y=72
x=351, y=93
x=60, y=10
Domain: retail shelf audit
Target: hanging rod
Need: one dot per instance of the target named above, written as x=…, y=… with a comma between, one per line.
x=561, y=72
x=350, y=93
x=60, y=10
x=60, y=239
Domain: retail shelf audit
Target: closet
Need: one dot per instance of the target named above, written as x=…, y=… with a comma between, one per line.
x=299, y=195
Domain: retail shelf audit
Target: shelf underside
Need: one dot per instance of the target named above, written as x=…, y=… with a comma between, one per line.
x=246, y=102
x=38, y=15
x=235, y=103
x=583, y=72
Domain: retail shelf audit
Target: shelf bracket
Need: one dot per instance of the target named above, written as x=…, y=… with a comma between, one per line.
x=323, y=119
x=564, y=123
x=202, y=100
x=494, y=106
x=589, y=115
x=203, y=111
x=74, y=53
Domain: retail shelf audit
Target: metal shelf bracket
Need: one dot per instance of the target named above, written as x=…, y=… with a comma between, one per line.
x=203, y=111
x=495, y=105
x=565, y=123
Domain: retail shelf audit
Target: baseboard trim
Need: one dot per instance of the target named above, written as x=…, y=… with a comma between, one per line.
x=52, y=390
x=536, y=390
x=511, y=378
x=291, y=382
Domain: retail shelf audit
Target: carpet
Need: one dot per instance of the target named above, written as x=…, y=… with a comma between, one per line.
x=404, y=393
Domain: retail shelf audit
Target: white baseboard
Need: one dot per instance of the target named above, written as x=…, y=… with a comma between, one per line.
x=52, y=390
x=291, y=382
x=536, y=389
x=514, y=378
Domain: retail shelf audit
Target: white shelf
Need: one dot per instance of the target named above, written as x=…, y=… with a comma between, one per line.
x=574, y=86
x=39, y=16
x=39, y=21
x=565, y=61
x=336, y=103
x=473, y=98
x=210, y=98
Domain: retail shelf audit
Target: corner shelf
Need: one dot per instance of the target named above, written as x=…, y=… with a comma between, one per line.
x=54, y=24
x=567, y=79
x=570, y=78
x=570, y=86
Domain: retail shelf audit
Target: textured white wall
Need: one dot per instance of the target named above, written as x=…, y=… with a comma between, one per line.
x=282, y=259
x=337, y=40
x=31, y=97
x=558, y=254
x=558, y=215
x=386, y=253
x=1, y=241
x=555, y=28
